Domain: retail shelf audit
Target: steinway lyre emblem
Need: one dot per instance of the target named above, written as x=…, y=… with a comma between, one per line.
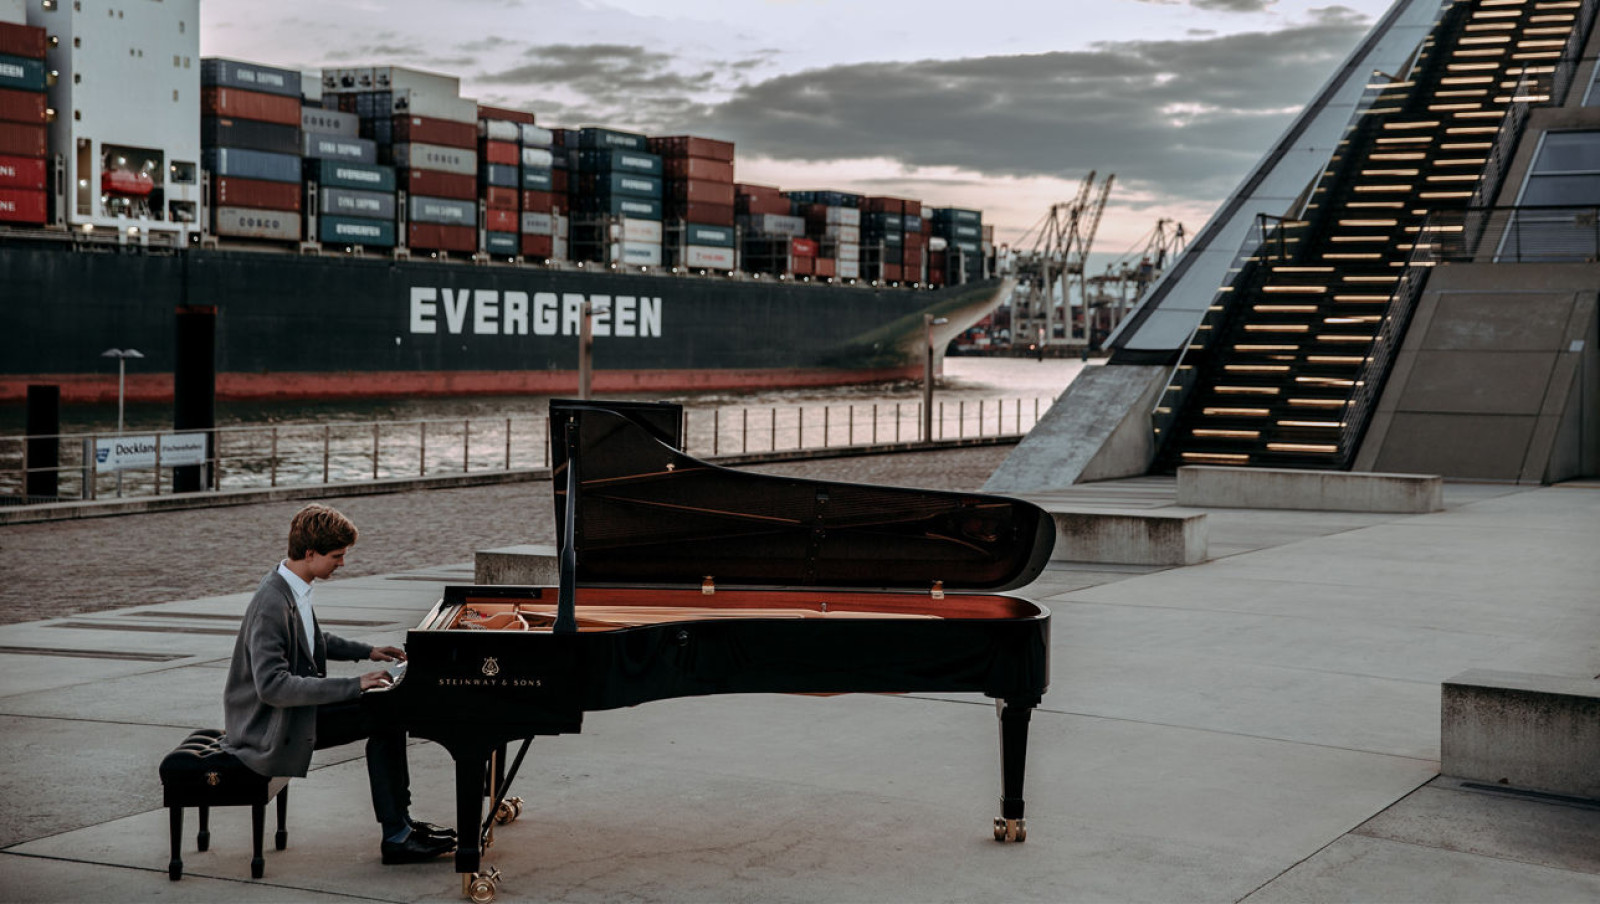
x=213, y=779
x=491, y=668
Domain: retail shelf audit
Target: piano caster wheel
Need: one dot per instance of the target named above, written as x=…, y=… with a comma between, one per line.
x=517, y=803
x=1010, y=829
x=480, y=887
x=505, y=813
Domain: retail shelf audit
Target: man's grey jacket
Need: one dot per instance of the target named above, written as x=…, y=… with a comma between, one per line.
x=274, y=686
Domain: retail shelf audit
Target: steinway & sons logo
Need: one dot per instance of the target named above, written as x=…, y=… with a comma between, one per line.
x=491, y=668
x=491, y=678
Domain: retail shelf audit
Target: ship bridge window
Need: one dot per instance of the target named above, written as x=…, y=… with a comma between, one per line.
x=182, y=173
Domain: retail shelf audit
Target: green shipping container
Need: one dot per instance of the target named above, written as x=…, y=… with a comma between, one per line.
x=356, y=231
x=338, y=174
x=21, y=73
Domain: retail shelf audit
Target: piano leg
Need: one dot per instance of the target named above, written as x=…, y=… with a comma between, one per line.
x=471, y=768
x=1010, y=824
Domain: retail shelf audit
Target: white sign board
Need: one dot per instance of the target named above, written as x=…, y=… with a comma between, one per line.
x=123, y=453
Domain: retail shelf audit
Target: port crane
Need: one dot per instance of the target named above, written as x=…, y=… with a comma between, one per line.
x=1044, y=309
x=1117, y=291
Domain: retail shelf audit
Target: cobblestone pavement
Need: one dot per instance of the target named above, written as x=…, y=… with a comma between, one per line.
x=61, y=568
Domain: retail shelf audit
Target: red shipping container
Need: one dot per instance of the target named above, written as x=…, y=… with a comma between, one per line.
x=913, y=208
x=22, y=172
x=257, y=193
x=802, y=266
x=692, y=146
x=825, y=266
x=20, y=140
x=255, y=105
x=497, y=198
x=538, y=246
x=501, y=220
x=22, y=40
x=776, y=204
x=435, y=131
x=803, y=247
x=22, y=205
x=911, y=258
x=704, y=214
x=697, y=168
x=22, y=106
x=501, y=113
x=434, y=184
x=436, y=237
x=914, y=240
x=759, y=191
x=558, y=181
x=891, y=273
x=539, y=201
x=506, y=152
x=703, y=192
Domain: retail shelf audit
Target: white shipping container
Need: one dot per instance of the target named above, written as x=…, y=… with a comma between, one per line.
x=538, y=224
x=561, y=228
x=848, y=251
x=536, y=137
x=257, y=224
x=775, y=224
x=347, y=81
x=841, y=233
x=842, y=216
x=848, y=269
x=436, y=106
x=706, y=256
x=498, y=130
x=538, y=158
x=418, y=155
x=310, y=79
x=399, y=78
x=937, y=243
x=638, y=254
x=636, y=230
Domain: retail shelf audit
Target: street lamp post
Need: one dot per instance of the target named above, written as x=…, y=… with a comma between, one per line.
x=928, y=323
x=122, y=355
x=586, y=345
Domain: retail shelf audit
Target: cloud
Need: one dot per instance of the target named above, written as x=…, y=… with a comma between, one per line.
x=1223, y=6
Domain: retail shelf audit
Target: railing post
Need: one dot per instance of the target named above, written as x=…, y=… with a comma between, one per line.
x=941, y=420
x=216, y=466
x=800, y=427
x=744, y=430
x=850, y=433
x=466, y=444
x=980, y=419
x=327, y=433
x=422, y=457
x=375, y=451
x=272, y=467
x=961, y=419
x=874, y=423
x=716, y=429
x=897, y=422
x=88, y=469
x=158, y=464
x=508, y=444
x=825, y=428
x=774, y=412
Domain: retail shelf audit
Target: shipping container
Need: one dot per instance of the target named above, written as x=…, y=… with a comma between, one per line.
x=712, y=236
x=258, y=105
x=498, y=129
x=695, y=212
x=356, y=231
x=400, y=78
x=349, y=202
x=23, y=106
x=533, y=136
x=234, y=191
x=700, y=191
x=537, y=247
x=219, y=72
x=637, y=254
x=243, y=222
x=844, y=251
x=825, y=266
x=623, y=205
x=592, y=137
x=708, y=257
x=956, y=215
x=536, y=158
x=848, y=269
x=505, y=153
x=252, y=164
x=761, y=205
x=507, y=244
x=616, y=183
x=802, y=266
x=19, y=140
x=249, y=134
x=335, y=147
x=436, y=106
x=447, y=211
x=613, y=161
x=842, y=233
x=536, y=224
x=693, y=146
x=441, y=132
x=826, y=198
x=438, y=237
x=22, y=172
x=520, y=117
x=22, y=205
x=499, y=198
x=539, y=180
x=21, y=73
x=890, y=273
x=500, y=220
x=697, y=168
x=316, y=120
x=439, y=158
x=635, y=230
x=500, y=175
x=338, y=174
x=538, y=201
x=772, y=224
x=19, y=40
x=803, y=247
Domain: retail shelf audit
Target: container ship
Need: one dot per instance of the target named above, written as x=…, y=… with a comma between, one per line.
x=368, y=231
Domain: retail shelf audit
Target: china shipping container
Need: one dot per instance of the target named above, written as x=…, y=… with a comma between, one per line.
x=219, y=72
x=348, y=202
x=22, y=172
x=336, y=147
x=22, y=205
x=252, y=164
x=445, y=211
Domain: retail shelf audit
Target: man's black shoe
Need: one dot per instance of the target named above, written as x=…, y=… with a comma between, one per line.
x=417, y=848
x=431, y=830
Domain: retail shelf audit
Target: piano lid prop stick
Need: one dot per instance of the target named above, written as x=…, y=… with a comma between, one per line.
x=567, y=591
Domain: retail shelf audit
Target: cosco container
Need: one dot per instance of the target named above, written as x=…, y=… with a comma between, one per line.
x=21, y=140
x=256, y=224
x=22, y=205
x=338, y=174
x=436, y=157
x=21, y=73
x=444, y=211
x=353, y=203
x=252, y=164
x=507, y=243
x=333, y=147
x=499, y=175
x=329, y=122
x=614, y=161
x=355, y=231
x=609, y=138
x=533, y=136
x=538, y=224
x=22, y=172
x=23, y=106
x=233, y=74
x=715, y=258
x=249, y=134
x=537, y=179
x=233, y=191
x=715, y=236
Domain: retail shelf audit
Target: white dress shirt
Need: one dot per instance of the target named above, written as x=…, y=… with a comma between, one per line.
x=302, y=601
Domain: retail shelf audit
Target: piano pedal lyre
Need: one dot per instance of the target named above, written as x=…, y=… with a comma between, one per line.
x=1010, y=829
x=480, y=888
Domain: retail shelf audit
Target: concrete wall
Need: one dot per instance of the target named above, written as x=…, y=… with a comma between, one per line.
x=1534, y=732
x=1499, y=377
x=1098, y=429
x=1209, y=486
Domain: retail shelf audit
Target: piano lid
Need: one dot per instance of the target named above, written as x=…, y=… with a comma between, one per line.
x=647, y=513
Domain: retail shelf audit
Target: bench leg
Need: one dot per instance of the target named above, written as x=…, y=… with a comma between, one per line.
x=258, y=818
x=175, y=865
x=282, y=839
x=202, y=839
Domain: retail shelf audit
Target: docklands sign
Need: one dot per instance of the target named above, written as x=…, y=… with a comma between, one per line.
x=488, y=312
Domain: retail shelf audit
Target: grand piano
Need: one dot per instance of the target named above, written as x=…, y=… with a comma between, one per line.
x=681, y=578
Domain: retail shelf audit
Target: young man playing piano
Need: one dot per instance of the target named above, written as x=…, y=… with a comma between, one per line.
x=280, y=704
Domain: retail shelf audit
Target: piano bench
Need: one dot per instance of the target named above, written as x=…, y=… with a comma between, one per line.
x=199, y=773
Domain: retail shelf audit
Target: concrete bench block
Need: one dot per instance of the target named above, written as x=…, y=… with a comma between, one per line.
x=1210, y=486
x=1123, y=538
x=1534, y=732
x=527, y=565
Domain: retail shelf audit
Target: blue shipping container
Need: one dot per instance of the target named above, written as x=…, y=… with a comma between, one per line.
x=498, y=174
x=622, y=205
x=356, y=231
x=447, y=211
x=609, y=138
x=715, y=236
x=351, y=202
x=252, y=164
x=537, y=180
x=618, y=162
x=249, y=76
x=502, y=243
x=339, y=174
x=334, y=147
x=21, y=73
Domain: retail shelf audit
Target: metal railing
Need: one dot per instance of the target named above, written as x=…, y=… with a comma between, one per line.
x=309, y=454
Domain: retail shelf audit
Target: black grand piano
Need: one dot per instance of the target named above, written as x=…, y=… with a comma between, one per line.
x=681, y=578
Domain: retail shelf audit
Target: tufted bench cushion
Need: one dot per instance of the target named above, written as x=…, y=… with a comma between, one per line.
x=199, y=773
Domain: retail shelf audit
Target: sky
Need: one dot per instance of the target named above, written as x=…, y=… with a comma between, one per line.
x=1001, y=105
